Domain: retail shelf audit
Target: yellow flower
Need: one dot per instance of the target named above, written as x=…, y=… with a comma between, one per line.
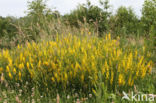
x=143, y=72
x=46, y=63
x=107, y=75
x=18, y=46
x=130, y=80
x=106, y=65
x=21, y=66
x=10, y=62
x=32, y=66
x=93, y=90
x=137, y=73
x=77, y=66
x=23, y=59
x=21, y=56
x=106, y=37
x=149, y=66
x=8, y=69
x=28, y=65
x=141, y=59
x=14, y=70
x=10, y=75
x=121, y=80
x=124, y=63
x=118, y=53
x=19, y=74
x=6, y=53
x=55, y=75
x=53, y=79
x=1, y=70
x=109, y=36
x=112, y=77
x=31, y=73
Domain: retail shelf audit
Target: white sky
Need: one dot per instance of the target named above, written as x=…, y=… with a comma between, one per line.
x=17, y=7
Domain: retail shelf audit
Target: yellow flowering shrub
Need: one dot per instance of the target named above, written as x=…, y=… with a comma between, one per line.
x=75, y=62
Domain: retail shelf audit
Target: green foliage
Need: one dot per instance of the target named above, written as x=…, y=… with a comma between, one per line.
x=38, y=8
x=7, y=27
x=37, y=20
x=95, y=16
x=149, y=15
x=124, y=22
x=38, y=11
x=149, y=24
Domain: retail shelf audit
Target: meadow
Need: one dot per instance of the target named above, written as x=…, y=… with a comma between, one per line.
x=78, y=58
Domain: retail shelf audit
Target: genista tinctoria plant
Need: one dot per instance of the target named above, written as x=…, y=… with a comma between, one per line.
x=72, y=62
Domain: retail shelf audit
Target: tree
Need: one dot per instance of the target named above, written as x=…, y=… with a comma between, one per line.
x=38, y=8
x=7, y=27
x=149, y=15
x=95, y=16
x=124, y=22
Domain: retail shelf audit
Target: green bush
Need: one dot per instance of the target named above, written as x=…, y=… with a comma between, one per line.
x=95, y=16
x=7, y=27
x=124, y=22
x=149, y=15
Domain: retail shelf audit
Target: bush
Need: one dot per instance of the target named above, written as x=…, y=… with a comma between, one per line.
x=69, y=64
x=7, y=27
x=149, y=16
x=95, y=16
x=124, y=22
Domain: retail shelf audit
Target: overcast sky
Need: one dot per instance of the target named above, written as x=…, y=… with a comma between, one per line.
x=18, y=7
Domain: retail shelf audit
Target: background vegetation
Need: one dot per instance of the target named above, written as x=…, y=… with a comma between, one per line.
x=86, y=23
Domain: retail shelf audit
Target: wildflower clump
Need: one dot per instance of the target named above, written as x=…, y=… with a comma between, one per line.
x=75, y=62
